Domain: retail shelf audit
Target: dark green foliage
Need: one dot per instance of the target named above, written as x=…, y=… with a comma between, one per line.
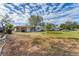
x=9, y=27
x=69, y=25
x=48, y=27
x=35, y=20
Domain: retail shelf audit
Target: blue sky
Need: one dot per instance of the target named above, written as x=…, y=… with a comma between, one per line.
x=56, y=13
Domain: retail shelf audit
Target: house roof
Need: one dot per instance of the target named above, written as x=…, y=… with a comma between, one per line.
x=24, y=26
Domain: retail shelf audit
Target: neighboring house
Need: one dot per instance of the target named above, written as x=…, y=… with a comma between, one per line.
x=34, y=29
x=2, y=28
x=57, y=29
x=27, y=29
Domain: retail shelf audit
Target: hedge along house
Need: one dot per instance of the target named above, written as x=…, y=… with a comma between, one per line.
x=28, y=29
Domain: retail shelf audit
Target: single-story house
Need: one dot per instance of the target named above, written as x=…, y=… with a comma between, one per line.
x=27, y=29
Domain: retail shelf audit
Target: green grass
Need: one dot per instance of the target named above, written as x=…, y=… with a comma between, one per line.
x=53, y=34
x=71, y=34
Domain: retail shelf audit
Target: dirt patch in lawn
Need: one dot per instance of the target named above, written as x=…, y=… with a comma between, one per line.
x=37, y=45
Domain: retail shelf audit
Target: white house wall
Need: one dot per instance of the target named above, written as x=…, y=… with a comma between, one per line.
x=27, y=30
x=38, y=28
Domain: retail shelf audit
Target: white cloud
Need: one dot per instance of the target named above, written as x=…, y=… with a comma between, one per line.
x=49, y=16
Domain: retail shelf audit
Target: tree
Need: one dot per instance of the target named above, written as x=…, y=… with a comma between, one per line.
x=48, y=27
x=75, y=25
x=35, y=20
x=6, y=24
x=69, y=25
x=9, y=27
x=2, y=22
x=63, y=26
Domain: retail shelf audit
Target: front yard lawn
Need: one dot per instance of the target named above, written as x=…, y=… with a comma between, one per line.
x=62, y=34
x=42, y=43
